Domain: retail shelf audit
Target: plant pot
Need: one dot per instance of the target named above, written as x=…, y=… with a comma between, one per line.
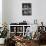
x=2, y=40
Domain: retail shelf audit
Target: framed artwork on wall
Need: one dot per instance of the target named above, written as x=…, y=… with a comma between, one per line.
x=26, y=9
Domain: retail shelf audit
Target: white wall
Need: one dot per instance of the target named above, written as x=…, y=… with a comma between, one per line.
x=4, y=11
x=0, y=13
x=13, y=11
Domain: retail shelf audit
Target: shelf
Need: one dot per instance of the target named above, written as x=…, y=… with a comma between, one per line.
x=12, y=32
x=17, y=28
x=19, y=32
x=16, y=32
x=23, y=25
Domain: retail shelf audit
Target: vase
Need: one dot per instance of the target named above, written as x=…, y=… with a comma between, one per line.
x=2, y=40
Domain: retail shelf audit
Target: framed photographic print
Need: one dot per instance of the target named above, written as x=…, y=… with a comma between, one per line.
x=26, y=9
x=26, y=5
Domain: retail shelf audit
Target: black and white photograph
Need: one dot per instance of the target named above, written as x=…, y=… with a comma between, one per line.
x=26, y=12
x=26, y=5
x=26, y=9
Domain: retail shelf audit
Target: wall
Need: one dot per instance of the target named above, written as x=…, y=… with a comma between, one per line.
x=13, y=11
x=0, y=13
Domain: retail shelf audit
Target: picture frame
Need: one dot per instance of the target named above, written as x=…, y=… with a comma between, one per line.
x=26, y=9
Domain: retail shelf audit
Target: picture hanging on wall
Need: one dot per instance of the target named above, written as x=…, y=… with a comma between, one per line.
x=26, y=9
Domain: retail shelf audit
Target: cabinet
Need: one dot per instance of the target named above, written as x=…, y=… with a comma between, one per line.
x=18, y=29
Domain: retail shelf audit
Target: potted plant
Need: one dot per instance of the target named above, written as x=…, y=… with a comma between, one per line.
x=3, y=34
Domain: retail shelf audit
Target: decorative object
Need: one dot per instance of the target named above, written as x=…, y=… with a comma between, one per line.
x=26, y=9
x=35, y=21
x=3, y=34
x=28, y=33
